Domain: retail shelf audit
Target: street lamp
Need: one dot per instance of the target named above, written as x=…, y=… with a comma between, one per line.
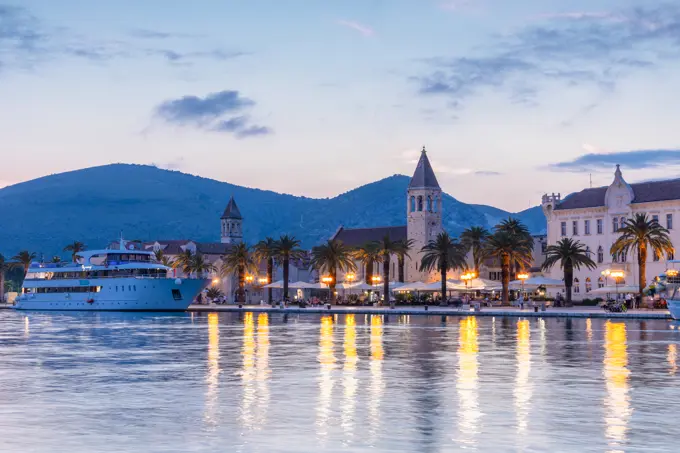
x=466, y=277
x=249, y=281
x=350, y=277
x=616, y=275
x=215, y=281
x=606, y=273
x=376, y=281
x=521, y=277
x=263, y=280
x=328, y=280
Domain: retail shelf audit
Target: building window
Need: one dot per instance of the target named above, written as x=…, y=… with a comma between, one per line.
x=599, y=226
x=600, y=283
x=655, y=218
x=586, y=226
x=587, y=251
x=615, y=224
x=657, y=257
x=420, y=203
x=544, y=247
x=429, y=204
x=589, y=285
x=669, y=221
x=413, y=204
x=574, y=228
x=615, y=258
x=563, y=228
x=671, y=255
x=600, y=255
x=623, y=256
x=576, y=287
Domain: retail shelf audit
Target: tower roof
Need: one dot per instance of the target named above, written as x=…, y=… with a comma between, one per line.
x=424, y=175
x=231, y=211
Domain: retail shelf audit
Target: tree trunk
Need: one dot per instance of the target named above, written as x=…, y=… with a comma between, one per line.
x=240, y=293
x=2, y=286
x=642, y=268
x=286, y=262
x=369, y=273
x=442, y=275
x=400, y=263
x=505, y=277
x=568, y=281
x=386, y=279
x=270, y=277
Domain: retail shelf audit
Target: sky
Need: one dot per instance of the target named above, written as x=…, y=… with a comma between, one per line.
x=512, y=98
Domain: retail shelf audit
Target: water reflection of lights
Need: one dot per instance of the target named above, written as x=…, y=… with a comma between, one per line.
x=262, y=367
x=589, y=329
x=522, y=390
x=27, y=330
x=467, y=382
x=212, y=378
x=377, y=384
x=616, y=373
x=672, y=358
x=248, y=371
x=350, y=380
x=327, y=363
x=543, y=329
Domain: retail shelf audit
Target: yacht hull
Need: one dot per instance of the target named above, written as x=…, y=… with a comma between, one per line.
x=674, y=308
x=120, y=294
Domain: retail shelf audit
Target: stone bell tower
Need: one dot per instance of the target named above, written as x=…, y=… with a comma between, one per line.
x=424, y=214
x=232, y=224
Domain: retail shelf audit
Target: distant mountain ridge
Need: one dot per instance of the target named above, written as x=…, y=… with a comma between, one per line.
x=94, y=205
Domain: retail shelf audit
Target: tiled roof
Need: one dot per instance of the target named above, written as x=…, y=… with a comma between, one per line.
x=356, y=237
x=174, y=247
x=213, y=248
x=644, y=192
x=424, y=176
x=231, y=211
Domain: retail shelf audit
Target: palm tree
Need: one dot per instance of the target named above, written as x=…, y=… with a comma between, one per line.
x=443, y=253
x=5, y=266
x=473, y=239
x=238, y=261
x=571, y=255
x=200, y=265
x=286, y=248
x=403, y=247
x=331, y=257
x=75, y=248
x=162, y=258
x=213, y=293
x=367, y=255
x=24, y=259
x=510, y=249
x=183, y=261
x=386, y=247
x=266, y=251
x=519, y=230
x=639, y=234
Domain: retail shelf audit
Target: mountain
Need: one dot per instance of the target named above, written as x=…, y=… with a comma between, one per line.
x=94, y=205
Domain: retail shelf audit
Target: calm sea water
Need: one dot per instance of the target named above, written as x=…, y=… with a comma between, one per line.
x=258, y=383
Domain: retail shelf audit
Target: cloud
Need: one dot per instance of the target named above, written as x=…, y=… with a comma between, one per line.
x=487, y=173
x=356, y=26
x=209, y=112
x=637, y=159
x=456, y=5
x=144, y=33
x=604, y=47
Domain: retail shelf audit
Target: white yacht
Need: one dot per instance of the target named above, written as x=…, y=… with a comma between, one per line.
x=107, y=280
x=671, y=281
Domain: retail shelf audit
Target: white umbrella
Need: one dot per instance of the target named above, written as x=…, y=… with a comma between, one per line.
x=415, y=286
x=275, y=285
x=535, y=282
x=363, y=287
x=613, y=290
x=302, y=285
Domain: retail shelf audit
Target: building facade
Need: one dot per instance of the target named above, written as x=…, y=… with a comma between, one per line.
x=592, y=216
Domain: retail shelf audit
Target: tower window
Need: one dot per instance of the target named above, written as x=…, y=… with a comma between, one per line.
x=413, y=204
x=429, y=203
x=420, y=203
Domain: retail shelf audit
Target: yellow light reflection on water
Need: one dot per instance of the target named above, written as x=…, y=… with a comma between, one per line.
x=248, y=370
x=327, y=363
x=212, y=377
x=377, y=384
x=350, y=382
x=262, y=368
x=616, y=373
x=27, y=330
x=672, y=358
x=522, y=390
x=467, y=381
x=589, y=329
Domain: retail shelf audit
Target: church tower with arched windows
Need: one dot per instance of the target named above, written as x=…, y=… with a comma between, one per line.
x=424, y=214
x=232, y=224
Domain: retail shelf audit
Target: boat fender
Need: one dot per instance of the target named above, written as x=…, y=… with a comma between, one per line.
x=90, y=301
x=178, y=281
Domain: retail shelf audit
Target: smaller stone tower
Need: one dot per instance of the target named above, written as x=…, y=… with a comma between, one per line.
x=232, y=224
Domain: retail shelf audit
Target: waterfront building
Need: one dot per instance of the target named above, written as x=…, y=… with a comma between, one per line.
x=592, y=216
x=423, y=223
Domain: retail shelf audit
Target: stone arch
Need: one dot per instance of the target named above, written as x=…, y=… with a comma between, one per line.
x=420, y=203
x=413, y=203
x=589, y=285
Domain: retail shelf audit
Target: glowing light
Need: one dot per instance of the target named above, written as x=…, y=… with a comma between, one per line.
x=212, y=377
x=349, y=277
x=377, y=384
x=672, y=358
x=247, y=372
x=617, y=274
x=262, y=368
x=606, y=272
x=376, y=279
x=616, y=373
x=522, y=276
x=215, y=281
x=249, y=279
x=263, y=280
x=672, y=272
x=327, y=279
x=468, y=276
x=350, y=382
